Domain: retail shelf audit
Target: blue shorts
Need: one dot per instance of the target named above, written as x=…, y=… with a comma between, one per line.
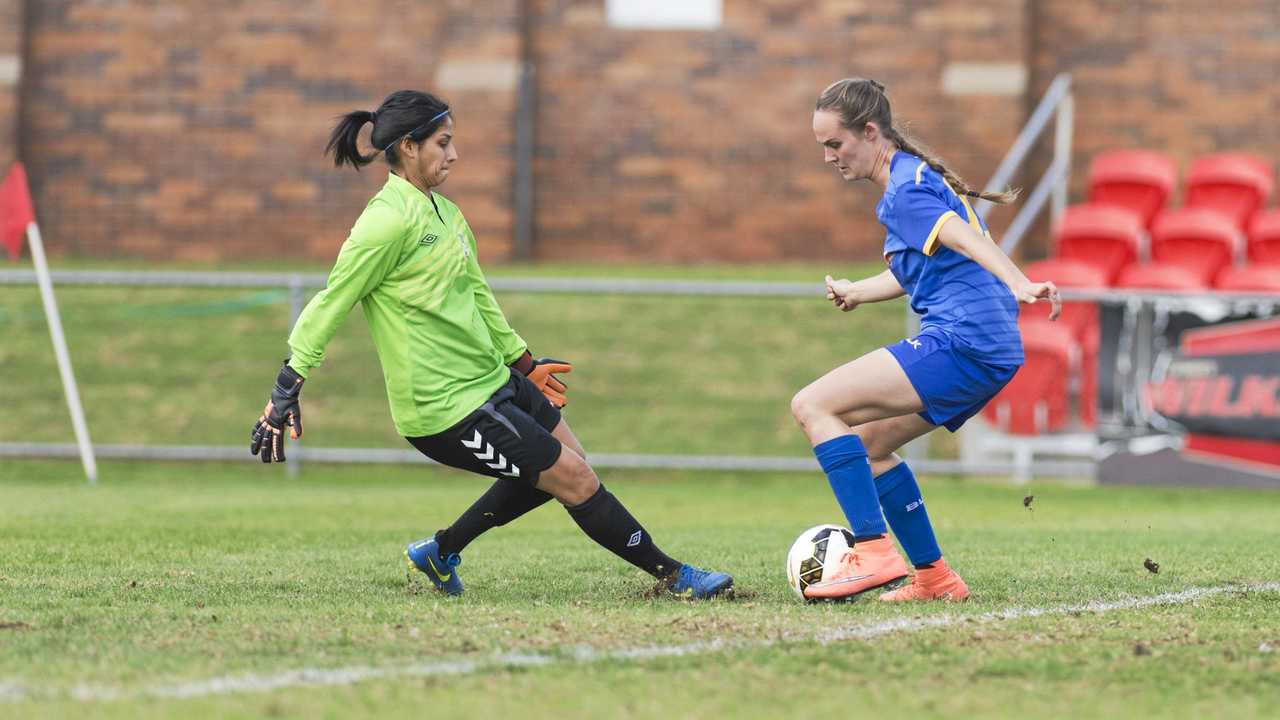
x=952, y=384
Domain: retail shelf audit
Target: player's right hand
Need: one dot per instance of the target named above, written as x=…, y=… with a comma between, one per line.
x=842, y=293
x=1030, y=292
x=283, y=409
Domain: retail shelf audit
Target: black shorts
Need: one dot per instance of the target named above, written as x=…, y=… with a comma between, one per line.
x=507, y=437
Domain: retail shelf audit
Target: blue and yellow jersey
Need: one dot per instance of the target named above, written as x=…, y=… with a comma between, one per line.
x=948, y=290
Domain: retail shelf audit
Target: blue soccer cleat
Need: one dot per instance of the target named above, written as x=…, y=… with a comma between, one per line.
x=697, y=584
x=424, y=556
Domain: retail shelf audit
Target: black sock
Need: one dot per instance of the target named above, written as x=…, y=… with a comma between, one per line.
x=504, y=502
x=606, y=521
x=868, y=538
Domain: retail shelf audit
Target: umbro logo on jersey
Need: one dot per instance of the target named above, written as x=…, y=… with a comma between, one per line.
x=428, y=239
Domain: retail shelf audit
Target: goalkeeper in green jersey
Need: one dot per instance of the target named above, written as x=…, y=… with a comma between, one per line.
x=463, y=387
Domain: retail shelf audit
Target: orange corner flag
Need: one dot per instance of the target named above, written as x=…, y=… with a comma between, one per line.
x=16, y=211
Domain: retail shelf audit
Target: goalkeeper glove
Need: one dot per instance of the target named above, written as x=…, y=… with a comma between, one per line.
x=542, y=373
x=267, y=439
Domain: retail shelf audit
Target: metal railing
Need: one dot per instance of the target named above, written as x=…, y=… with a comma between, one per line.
x=1057, y=105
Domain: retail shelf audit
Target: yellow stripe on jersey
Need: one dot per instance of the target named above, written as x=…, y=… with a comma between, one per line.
x=968, y=209
x=973, y=216
x=931, y=242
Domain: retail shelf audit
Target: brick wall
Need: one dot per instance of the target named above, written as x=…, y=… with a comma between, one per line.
x=684, y=146
x=185, y=130
x=176, y=131
x=10, y=75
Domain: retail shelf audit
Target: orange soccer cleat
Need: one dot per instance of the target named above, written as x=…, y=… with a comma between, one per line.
x=866, y=566
x=939, y=582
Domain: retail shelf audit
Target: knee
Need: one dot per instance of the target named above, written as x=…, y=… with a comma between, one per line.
x=804, y=408
x=583, y=487
x=587, y=483
x=574, y=484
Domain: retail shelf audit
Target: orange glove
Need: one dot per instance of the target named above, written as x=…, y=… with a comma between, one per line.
x=543, y=376
x=542, y=373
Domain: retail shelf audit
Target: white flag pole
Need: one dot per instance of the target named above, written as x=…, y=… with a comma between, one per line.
x=60, y=349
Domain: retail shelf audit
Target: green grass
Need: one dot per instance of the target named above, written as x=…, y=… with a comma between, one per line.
x=652, y=374
x=167, y=574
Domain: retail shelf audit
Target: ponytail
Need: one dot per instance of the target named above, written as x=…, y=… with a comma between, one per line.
x=342, y=141
x=955, y=181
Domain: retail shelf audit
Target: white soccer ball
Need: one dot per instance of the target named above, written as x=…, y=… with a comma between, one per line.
x=815, y=553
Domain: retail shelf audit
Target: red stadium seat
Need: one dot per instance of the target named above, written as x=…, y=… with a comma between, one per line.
x=1161, y=276
x=1080, y=318
x=1138, y=180
x=1035, y=400
x=1264, y=237
x=1105, y=237
x=1199, y=239
x=1265, y=278
x=1234, y=184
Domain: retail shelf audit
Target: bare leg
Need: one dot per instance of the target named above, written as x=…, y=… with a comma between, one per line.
x=568, y=439
x=873, y=387
x=869, y=389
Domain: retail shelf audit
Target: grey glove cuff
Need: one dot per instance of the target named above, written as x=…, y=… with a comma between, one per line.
x=288, y=384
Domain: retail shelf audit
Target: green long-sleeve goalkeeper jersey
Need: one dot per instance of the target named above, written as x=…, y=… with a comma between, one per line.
x=443, y=342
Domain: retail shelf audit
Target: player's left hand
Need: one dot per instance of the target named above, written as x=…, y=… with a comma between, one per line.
x=542, y=373
x=543, y=376
x=1030, y=292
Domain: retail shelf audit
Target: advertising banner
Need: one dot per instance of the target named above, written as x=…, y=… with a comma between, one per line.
x=1189, y=393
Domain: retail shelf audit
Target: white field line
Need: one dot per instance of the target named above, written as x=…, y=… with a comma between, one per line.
x=314, y=677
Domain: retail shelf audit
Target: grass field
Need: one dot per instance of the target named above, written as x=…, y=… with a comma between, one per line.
x=217, y=590
x=192, y=590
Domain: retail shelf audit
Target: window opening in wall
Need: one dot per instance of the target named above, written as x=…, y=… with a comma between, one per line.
x=665, y=14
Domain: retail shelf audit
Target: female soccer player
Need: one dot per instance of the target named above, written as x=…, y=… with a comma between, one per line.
x=463, y=387
x=967, y=291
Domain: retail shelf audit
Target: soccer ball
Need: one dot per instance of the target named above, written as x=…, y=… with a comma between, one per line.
x=815, y=553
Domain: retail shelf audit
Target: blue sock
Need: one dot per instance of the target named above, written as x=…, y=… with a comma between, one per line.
x=844, y=460
x=904, y=508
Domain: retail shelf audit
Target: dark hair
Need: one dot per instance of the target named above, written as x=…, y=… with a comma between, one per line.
x=859, y=101
x=404, y=113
